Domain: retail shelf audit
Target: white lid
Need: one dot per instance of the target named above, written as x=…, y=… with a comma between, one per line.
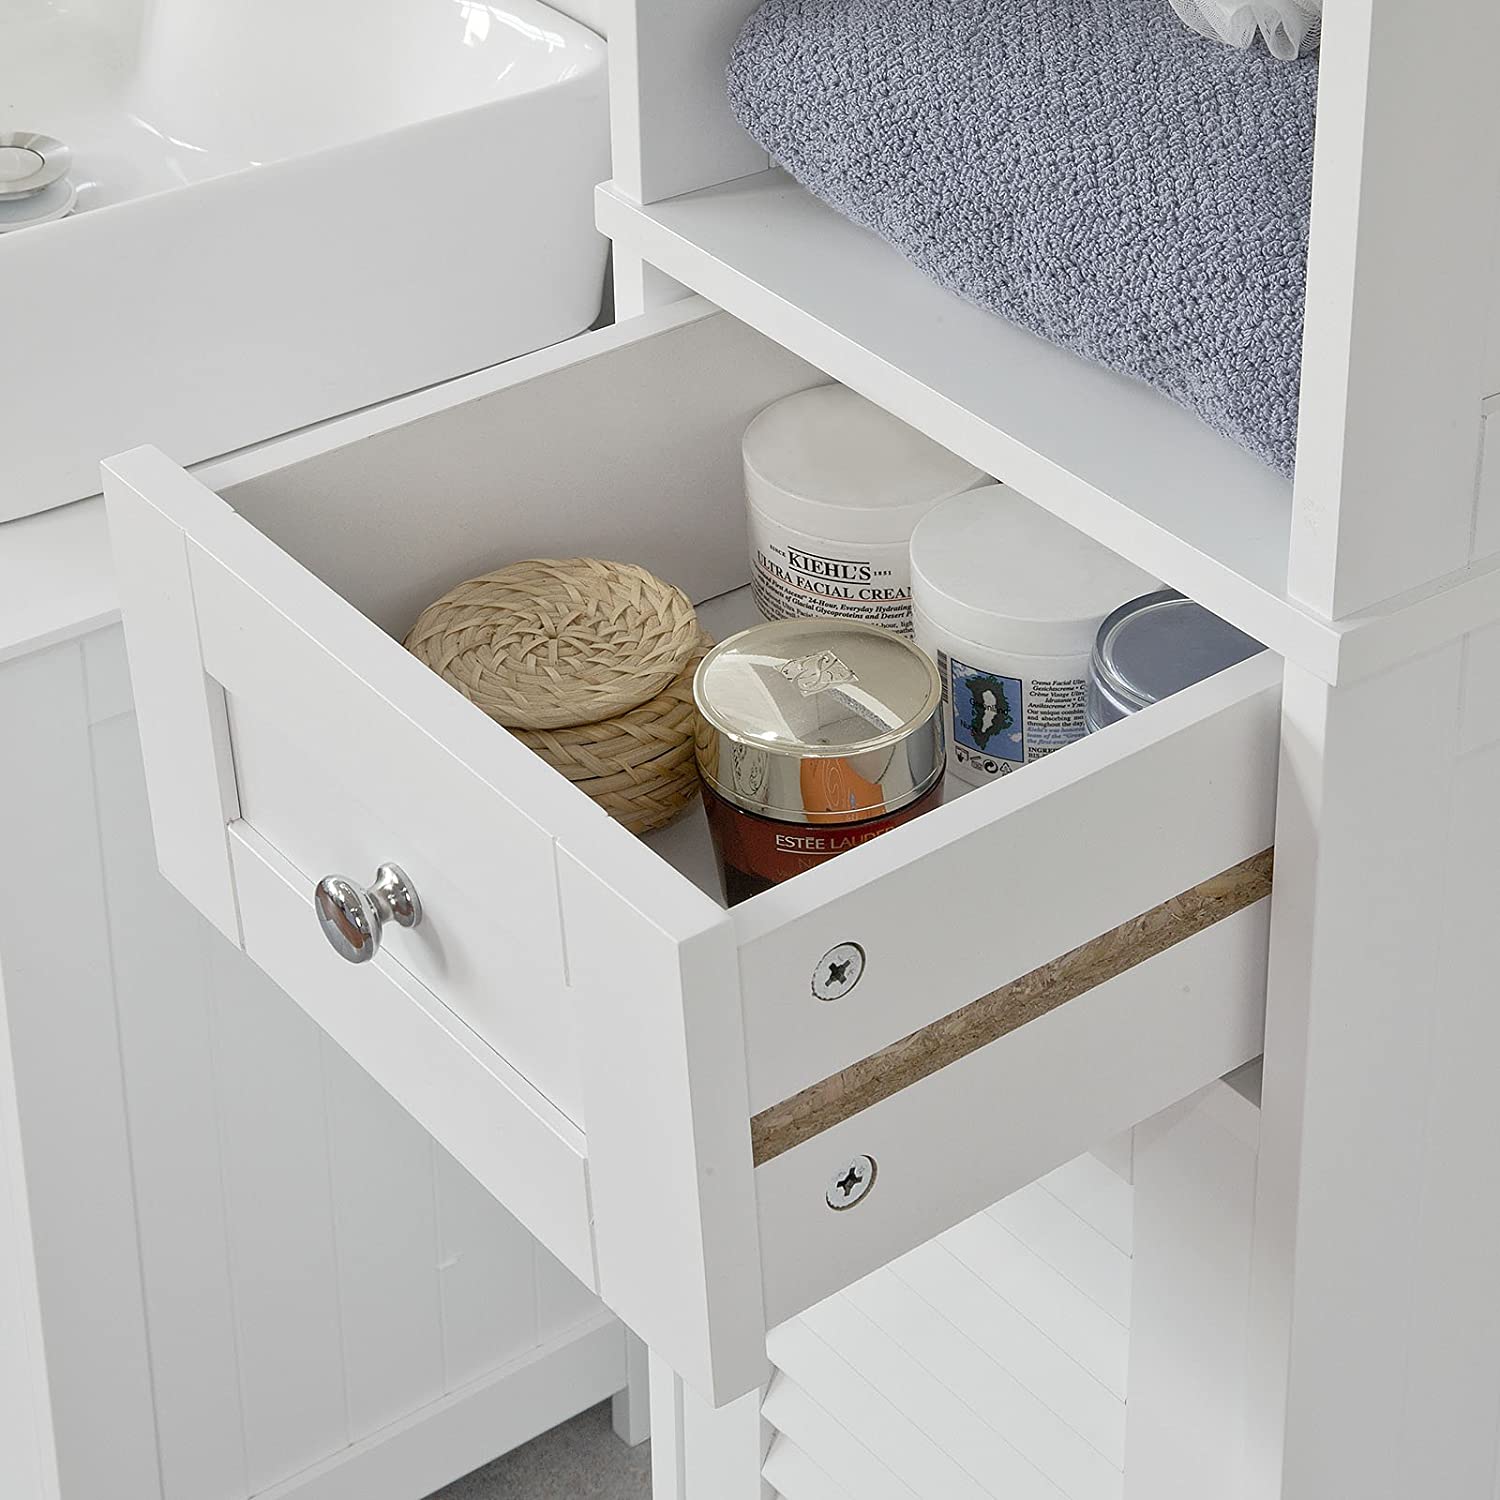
x=828, y=463
x=994, y=568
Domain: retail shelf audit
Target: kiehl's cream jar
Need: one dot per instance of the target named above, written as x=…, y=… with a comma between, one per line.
x=835, y=486
x=815, y=736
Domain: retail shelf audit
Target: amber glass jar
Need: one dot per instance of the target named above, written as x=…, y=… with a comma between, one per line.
x=816, y=736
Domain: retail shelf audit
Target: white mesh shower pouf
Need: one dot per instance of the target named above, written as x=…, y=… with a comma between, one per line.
x=1288, y=26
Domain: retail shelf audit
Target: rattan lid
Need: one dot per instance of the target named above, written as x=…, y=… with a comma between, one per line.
x=547, y=644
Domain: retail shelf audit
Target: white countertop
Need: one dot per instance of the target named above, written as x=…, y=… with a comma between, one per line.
x=56, y=577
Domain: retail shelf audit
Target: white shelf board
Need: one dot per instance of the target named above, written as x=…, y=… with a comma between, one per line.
x=964, y=1372
x=1105, y=453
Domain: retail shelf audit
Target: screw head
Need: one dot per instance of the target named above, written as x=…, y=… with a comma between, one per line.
x=838, y=971
x=851, y=1183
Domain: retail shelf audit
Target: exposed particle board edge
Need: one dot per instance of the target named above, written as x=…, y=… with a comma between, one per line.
x=825, y=1104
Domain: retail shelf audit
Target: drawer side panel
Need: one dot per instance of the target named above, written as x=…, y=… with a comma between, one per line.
x=986, y=1020
x=985, y=890
x=662, y=1052
x=180, y=710
x=1003, y=1116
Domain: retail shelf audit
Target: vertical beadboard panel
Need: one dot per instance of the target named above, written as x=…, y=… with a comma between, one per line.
x=28, y=1457
x=385, y=1226
x=106, y=675
x=1486, y=540
x=162, y=968
x=274, y=1138
x=488, y=1279
x=64, y=1043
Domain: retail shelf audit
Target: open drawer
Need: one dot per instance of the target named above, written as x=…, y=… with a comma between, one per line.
x=647, y=1079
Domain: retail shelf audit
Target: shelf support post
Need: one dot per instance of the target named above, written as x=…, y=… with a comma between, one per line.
x=1374, y=1359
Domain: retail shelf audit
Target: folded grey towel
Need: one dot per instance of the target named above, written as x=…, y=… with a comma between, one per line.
x=1088, y=168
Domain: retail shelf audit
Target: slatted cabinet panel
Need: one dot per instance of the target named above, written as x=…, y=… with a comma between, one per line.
x=314, y=1274
x=166, y=1052
x=385, y=1231
x=27, y=1458
x=482, y=1251
x=60, y=1015
x=986, y=1364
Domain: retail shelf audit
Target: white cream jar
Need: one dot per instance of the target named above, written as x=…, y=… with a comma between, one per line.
x=1007, y=600
x=835, y=487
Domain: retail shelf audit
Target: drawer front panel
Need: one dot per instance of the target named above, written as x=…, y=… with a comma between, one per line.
x=291, y=655
x=1010, y=878
x=324, y=821
x=1005, y=1115
x=505, y=1133
x=364, y=709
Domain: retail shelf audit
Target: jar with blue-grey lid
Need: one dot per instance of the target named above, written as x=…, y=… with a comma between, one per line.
x=1155, y=646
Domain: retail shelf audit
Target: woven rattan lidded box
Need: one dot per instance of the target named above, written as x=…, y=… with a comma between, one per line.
x=588, y=663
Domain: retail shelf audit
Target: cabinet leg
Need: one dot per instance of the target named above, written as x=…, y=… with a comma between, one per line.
x=699, y=1452
x=668, y=1450
x=1194, y=1211
x=632, y=1405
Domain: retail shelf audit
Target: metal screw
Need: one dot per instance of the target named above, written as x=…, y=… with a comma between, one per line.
x=838, y=971
x=851, y=1183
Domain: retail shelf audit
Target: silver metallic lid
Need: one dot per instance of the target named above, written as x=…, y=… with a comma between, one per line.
x=819, y=721
x=1155, y=646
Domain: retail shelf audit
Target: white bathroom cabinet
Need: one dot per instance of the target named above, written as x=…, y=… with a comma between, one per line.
x=230, y=1265
x=1372, y=1363
x=646, y=1079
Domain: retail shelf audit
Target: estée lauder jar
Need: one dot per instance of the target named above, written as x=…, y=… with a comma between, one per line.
x=816, y=736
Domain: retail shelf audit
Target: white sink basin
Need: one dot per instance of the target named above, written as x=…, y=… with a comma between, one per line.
x=287, y=209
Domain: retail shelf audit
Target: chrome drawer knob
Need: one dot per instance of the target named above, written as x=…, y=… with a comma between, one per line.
x=352, y=917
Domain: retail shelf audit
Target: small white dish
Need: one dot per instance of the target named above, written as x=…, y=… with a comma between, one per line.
x=54, y=202
x=30, y=162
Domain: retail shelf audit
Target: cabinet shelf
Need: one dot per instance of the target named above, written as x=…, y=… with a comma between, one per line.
x=1103, y=452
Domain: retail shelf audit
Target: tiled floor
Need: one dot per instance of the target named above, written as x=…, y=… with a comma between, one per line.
x=581, y=1460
